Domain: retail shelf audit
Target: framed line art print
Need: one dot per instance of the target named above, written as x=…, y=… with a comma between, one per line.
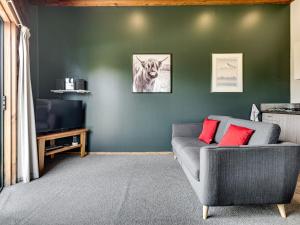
x=151, y=73
x=227, y=72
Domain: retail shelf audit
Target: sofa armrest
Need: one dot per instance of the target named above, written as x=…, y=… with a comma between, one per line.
x=248, y=174
x=186, y=129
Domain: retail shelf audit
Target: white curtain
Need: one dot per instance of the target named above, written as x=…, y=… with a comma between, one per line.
x=27, y=148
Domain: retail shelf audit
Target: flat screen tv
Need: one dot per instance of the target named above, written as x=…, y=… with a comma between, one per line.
x=54, y=115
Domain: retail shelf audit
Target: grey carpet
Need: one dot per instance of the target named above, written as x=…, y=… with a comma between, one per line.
x=121, y=190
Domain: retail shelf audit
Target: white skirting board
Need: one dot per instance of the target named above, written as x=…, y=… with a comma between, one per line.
x=122, y=153
x=130, y=153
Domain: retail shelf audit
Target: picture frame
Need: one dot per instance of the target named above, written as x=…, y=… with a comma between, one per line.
x=152, y=73
x=227, y=72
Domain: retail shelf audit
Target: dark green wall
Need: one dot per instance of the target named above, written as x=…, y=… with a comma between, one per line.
x=97, y=44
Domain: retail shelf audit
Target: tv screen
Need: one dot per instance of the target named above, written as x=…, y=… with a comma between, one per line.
x=54, y=115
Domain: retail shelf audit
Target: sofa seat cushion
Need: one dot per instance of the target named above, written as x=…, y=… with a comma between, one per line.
x=187, y=151
x=189, y=157
x=179, y=143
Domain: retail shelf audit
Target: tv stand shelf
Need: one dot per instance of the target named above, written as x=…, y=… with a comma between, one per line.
x=62, y=149
x=52, y=137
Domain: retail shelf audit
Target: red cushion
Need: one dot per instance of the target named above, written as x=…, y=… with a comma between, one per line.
x=236, y=136
x=209, y=130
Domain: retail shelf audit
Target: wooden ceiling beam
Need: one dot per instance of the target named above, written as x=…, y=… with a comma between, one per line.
x=89, y=3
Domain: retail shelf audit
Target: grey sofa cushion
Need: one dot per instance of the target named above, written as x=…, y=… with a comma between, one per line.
x=222, y=126
x=187, y=151
x=189, y=157
x=182, y=142
x=265, y=133
x=186, y=130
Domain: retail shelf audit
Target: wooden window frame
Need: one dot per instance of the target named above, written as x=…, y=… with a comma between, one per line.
x=10, y=33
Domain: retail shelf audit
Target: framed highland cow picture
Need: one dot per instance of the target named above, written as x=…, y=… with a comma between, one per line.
x=151, y=73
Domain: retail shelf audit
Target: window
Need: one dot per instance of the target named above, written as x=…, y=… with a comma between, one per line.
x=8, y=88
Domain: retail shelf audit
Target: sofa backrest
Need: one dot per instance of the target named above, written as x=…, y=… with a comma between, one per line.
x=265, y=133
x=222, y=126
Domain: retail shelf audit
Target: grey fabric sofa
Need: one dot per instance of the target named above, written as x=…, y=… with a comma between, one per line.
x=262, y=172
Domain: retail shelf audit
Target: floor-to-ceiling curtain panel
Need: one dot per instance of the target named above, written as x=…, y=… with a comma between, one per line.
x=27, y=149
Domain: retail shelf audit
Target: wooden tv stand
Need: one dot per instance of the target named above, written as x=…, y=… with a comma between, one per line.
x=41, y=140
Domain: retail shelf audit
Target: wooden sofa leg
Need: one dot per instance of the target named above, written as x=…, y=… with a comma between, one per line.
x=282, y=210
x=205, y=212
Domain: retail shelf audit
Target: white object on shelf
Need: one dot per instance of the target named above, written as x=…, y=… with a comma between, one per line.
x=297, y=61
x=70, y=91
x=69, y=83
x=75, y=141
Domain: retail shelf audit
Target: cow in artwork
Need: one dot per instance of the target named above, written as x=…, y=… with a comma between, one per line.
x=145, y=73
